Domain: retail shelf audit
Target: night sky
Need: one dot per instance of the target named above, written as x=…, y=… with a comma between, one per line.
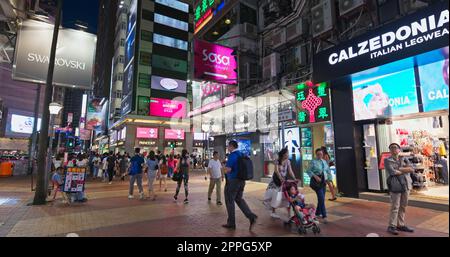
x=83, y=10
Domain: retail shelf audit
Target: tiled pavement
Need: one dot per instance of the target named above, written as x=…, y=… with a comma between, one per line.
x=109, y=213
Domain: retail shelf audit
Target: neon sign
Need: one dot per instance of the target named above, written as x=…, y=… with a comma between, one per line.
x=205, y=11
x=313, y=103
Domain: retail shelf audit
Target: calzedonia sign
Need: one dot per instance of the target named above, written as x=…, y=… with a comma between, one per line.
x=421, y=32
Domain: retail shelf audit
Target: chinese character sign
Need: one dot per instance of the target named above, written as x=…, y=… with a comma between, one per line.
x=313, y=103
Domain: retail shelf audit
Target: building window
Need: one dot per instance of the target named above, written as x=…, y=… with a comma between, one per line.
x=175, y=4
x=144, y=80
x=171, y=22
x=146, y=35
x=120, y=77
x=170, y=42
x=122, y=42
x=145, y=58
x=118, y=94
x=147, y=15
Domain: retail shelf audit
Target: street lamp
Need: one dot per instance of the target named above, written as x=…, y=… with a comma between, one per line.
x=54, y=109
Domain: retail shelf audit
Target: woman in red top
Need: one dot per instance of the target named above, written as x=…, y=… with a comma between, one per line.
x=171, y=165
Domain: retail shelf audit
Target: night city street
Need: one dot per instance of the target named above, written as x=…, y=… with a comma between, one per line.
x=218, y=127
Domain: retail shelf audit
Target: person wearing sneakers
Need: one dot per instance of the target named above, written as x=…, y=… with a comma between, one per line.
x=215, y=177
x=135, y=172
x=234, y=189
x=183, y=170
x=152, y=172
x=399, y=183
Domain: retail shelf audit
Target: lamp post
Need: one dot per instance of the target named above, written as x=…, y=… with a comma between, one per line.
x=54, y=109
x=40, y=196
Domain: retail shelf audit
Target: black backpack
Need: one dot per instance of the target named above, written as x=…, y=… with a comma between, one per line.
x=245, y=168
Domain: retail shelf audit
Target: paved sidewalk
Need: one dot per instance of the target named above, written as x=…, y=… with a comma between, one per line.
x=109, y=213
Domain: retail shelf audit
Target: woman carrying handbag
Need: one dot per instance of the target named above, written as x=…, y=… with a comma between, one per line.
x=274, y=196
x=319, y=170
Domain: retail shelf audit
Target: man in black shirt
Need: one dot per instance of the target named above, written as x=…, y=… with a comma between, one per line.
x=111, y=165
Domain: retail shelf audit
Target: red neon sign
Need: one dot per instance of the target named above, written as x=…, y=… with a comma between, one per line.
x=311, y=103
x=203, y=18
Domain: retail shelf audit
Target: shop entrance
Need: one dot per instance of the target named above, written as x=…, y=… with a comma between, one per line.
x=425, y=142
x=311, y=138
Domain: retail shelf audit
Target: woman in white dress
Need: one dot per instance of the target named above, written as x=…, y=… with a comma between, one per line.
x=283, y=171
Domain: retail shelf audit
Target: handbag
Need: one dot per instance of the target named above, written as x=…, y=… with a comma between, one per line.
x=177, y=176
x=277, y=198
x=395, y=184
x=317, y=185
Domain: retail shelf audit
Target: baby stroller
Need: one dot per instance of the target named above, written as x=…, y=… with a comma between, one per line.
x=304, y=218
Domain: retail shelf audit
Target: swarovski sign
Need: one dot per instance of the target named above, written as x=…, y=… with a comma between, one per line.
x=420, y=32
x=74, y=60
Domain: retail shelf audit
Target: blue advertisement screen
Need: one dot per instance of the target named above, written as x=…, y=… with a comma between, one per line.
x=385, y=91
x=434, y=81
x=245, y=146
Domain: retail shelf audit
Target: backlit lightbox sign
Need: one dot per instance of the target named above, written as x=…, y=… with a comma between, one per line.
x=147, y=133
x=177, y=134
x=167, y=108
x=383, y=92
x=169, y=84
x=313, y=103
x=214, y=63
x=420, y=32
x=434, y=80
x=23, y=124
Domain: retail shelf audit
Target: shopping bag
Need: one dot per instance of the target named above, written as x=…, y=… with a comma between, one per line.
x=277, y=197
x=100, y=173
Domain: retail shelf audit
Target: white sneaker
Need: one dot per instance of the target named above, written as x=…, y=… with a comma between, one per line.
x=110, y=183
x=130, y=197
x=274, y=215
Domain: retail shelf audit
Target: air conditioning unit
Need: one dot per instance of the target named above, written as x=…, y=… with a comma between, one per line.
x=296, y=29
x=271, y=66
x=410, y=6
x=249, y=30
x=279, y=38
x=322, y=17
x=348, y=6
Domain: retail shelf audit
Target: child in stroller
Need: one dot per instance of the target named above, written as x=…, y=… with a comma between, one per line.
x=304, y=214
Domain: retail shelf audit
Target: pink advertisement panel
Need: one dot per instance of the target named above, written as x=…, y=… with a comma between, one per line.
x=174, y=134
x=167, y=108
x=215, y=63
x=148, y=133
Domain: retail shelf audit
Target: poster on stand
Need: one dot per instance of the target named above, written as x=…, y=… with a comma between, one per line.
x=74, y=180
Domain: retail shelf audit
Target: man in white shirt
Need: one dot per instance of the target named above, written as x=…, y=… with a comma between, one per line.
x=216, y=177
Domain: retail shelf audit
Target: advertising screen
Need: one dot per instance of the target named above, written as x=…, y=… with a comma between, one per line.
x=148, y=133
x=23, y=124
x=385, y=91
x=292, y=142
x=167, y=108
x=434, y=81
x=174, y=134
x=96, y=115
x=169, y=84
x=128, y=75
x=214, y=63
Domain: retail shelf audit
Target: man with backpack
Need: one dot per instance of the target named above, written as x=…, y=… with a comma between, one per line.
x=238, y=169
x=137, y=162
